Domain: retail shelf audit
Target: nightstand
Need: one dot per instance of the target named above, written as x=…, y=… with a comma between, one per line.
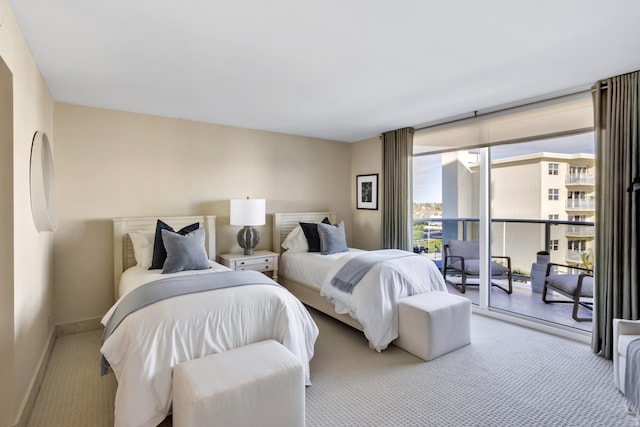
x=260, y=261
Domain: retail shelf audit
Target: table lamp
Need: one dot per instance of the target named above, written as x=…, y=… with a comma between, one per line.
x=247, y=213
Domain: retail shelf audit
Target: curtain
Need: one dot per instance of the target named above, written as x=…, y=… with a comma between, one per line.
x=397, y=198
x=617, y=249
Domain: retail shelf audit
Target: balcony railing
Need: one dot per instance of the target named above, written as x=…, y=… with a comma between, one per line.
x=517, y=238
x=581, y=204
x=580, y=179
x=580, y=230
x=520, y=239
x=574, y=256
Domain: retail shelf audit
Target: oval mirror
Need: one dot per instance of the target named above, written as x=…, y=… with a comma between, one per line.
x=42, y=184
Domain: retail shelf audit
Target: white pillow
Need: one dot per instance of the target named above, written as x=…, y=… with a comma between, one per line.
x=296, y=241
x=142, y=242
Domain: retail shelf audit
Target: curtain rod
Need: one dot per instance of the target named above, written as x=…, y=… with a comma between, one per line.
x=476, y=115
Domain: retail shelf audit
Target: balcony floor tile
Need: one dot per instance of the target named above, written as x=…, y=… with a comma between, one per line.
x=525, y=302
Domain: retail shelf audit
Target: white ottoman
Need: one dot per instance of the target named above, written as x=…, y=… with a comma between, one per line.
x=258, y=384
x=433, y=323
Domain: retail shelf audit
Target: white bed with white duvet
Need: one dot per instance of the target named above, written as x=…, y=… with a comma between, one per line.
x=145, y=346
x=370, y=305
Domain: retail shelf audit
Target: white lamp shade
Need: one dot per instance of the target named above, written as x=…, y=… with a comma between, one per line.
x=247, y=212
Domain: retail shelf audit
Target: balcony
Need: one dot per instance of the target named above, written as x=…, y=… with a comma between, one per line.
x=524, y=302
x=580, y=179
x=580, y=204
x=580, y=231
x=574, y=256
x=520, y=239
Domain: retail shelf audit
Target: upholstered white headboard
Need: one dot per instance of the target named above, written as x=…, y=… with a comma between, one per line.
x=123, y=257
x=283, y=223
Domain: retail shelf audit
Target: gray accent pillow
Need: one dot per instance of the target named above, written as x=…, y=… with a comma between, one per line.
x=159, y=252
x=184, y=252
x=332, y=238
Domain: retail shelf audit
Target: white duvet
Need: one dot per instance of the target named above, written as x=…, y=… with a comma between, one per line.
x=310, y=267
x=146, y=346
x=374, y=301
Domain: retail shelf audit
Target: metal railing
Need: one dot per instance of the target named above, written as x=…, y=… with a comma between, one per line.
x=581, y=204
x=580, y=179
x=574, y=255
x=580, y=230
x=464, y=228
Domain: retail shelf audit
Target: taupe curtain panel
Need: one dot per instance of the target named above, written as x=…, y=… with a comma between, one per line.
x=397, y=165
x=617, y=251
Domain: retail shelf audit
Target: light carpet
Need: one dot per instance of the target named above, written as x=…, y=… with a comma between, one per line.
x=508, y=376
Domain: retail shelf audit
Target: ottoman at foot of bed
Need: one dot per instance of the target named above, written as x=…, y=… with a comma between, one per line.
x=258, y=384
x=433, y=323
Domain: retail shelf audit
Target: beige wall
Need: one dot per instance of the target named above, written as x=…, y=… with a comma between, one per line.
x=112, y=164
x=366, y=159
x=28, y=265
x=6, y=244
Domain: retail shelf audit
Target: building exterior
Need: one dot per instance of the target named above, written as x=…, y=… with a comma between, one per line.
x=524, y=190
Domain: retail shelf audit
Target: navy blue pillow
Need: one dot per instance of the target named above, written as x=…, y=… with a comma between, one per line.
x=310, y=230
x=159, y=252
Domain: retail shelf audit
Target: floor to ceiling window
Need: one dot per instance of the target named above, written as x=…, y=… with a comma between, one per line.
x=542, y=196
x=538, y=187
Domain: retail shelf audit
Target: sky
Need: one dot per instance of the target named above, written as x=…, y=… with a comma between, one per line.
x=427, y=176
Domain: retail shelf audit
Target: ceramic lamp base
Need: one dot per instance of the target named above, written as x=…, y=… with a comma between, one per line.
x=248, y=238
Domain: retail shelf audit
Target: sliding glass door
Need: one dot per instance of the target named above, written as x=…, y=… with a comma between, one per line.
x=518, y=185
x=540, y=204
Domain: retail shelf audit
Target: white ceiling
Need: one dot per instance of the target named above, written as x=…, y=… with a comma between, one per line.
x=342, y=70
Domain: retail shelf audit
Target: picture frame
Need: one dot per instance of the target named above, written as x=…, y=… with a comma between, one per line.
x=367, y=191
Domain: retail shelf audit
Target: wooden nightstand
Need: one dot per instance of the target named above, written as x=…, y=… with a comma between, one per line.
x=260, y=261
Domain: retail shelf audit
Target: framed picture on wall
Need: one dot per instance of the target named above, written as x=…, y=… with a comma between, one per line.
x=367, y=191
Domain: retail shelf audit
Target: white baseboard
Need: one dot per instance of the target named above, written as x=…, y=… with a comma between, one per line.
x=78, y=326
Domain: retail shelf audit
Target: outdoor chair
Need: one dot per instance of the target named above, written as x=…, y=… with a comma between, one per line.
x=462, y=261
x=576, y=283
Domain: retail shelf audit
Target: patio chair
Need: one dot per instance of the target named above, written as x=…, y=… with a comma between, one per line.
x=462, y=260
x=575, y=284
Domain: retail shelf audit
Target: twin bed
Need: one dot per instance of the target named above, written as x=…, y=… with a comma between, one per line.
x=371, y=306
x=143, y=349
x=143, y=346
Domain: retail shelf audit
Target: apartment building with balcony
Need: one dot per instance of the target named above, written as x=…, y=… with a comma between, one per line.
x=541, y=186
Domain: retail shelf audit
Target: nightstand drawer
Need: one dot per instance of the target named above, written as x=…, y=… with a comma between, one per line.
x=263, y=261
x=249, y=263
x=262, y=266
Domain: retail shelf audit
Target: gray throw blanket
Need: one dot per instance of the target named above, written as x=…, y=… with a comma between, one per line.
x=355, y=269
x=162, y=289
x=632, y=375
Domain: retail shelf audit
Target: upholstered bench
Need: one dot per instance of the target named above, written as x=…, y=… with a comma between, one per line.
x=433, y=323
x=624, y=331
x=258, y=384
